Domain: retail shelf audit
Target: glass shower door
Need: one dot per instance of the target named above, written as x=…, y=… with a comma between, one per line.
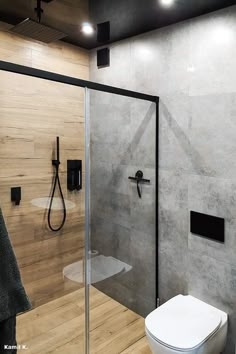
x=121, y=220
x=33, y=112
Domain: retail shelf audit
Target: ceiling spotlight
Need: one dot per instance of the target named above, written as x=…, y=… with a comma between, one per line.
x=87, y=28
x=167, y=3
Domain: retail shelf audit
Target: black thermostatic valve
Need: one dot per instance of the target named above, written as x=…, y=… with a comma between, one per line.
x=16, y=195
x=74, y=175
x=208, y=226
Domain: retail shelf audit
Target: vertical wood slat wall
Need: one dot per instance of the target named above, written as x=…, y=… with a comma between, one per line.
x=32, y=113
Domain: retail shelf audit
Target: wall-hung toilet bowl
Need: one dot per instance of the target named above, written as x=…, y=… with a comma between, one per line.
x=186, y=325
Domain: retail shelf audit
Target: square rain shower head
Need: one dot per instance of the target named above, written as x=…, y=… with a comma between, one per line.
x=37, y=31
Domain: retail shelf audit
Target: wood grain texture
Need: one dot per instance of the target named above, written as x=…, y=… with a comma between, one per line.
x=59, y=327
x=58, y=57
x=32, y=113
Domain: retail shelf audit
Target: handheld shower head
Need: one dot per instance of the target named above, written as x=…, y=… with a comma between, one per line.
x=56, y=162
x=56, y=180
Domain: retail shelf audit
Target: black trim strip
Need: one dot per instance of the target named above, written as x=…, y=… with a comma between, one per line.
x=47, y=75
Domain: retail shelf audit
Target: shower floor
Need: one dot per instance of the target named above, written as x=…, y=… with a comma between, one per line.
x=58, y=327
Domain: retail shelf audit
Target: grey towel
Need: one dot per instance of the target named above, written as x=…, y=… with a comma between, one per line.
x=13, y=298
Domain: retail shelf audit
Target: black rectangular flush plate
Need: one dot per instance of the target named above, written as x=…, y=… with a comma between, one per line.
x=208, y=226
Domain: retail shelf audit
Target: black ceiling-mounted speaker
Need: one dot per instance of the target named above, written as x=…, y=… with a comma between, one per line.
x=103, y=32
x=103, y=57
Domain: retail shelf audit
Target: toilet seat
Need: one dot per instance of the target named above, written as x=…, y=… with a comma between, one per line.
x=166, y=345
x=185, y=323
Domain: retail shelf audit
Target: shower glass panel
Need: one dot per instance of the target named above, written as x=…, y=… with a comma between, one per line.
x=121, y=219
x=33, y=113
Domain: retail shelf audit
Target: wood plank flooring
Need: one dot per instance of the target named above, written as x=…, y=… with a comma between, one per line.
x=58, y=327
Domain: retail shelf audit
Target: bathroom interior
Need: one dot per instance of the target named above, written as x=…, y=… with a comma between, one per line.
x=118, y=175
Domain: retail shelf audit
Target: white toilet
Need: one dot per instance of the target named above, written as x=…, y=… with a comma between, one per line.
x=186, y=325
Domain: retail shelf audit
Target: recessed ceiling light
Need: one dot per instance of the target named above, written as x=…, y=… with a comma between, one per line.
x=167, y=3
x=87, y=28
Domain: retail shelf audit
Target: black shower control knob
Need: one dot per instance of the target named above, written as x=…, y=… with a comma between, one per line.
x=139, y=174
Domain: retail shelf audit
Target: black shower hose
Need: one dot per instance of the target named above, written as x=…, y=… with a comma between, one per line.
x=56, y=180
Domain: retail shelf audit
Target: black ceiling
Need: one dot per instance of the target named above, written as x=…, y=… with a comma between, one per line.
x=127, y=17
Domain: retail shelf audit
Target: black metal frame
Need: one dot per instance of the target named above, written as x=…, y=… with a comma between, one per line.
x=157, y=202
x=47, y=75
x=41, y=74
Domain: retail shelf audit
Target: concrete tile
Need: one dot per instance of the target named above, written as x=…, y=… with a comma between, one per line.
x=213, y=49
x=173, y=190
x=113, y=206
x=173, y=229
x=174, y=142
x=212, y=135
x=172, y=273
x=212, y=281
x=214, y=196
x=143, y=133
x=111, y=152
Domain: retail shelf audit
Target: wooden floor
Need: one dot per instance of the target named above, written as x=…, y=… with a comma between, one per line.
x=58, y=327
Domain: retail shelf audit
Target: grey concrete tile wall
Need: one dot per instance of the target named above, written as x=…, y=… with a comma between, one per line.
x=191, y=66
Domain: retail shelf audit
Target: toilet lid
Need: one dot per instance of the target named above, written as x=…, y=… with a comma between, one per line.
x=183, y=322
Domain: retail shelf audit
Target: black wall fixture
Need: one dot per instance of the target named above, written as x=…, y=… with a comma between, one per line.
x=16, y=195
x=74, y=175
x=139, y=179
x=103, y=57
x=208, y=226
x=103, y=32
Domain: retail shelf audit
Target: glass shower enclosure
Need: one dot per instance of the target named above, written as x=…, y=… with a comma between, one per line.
x=91, y=282
x=120, y=218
